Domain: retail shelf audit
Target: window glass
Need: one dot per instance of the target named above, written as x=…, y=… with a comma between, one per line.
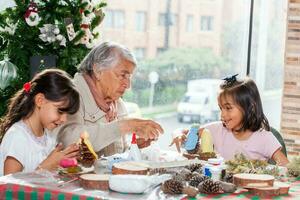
x=207, y=23
x=189, y=23
x=140, y=20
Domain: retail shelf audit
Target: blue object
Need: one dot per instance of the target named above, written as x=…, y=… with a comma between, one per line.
x=192, y=138
x=207, y=172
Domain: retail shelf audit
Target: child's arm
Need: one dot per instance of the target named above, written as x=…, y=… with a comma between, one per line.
x=280, y=158
x=12, y=165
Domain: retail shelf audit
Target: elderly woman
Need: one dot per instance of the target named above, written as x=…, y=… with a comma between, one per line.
x=104, y=75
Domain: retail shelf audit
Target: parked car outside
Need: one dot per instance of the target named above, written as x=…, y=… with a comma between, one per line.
x=133, y=110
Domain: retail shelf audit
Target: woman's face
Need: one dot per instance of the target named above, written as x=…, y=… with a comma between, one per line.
x=231, y=113
x=115, y=81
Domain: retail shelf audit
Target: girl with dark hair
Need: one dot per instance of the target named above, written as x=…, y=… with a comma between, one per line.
x=42, y=105
x=243, y=127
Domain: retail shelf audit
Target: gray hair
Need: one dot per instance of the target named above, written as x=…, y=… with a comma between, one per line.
x=105, y=56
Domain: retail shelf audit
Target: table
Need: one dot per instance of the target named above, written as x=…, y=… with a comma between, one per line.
x=39, y=185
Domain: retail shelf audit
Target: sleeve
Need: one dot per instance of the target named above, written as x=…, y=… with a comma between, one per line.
x=272, y=144
x=100, y=134
x=15, y=145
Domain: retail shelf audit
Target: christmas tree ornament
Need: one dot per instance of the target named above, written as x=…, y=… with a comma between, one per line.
x=88, y=37
x=70, y=28
x=31, y=15
x=50, y=34
x=98, y=12
x=8, y=72
x=10, y=27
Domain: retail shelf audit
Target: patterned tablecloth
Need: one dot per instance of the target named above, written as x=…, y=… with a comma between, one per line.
x=23, y=186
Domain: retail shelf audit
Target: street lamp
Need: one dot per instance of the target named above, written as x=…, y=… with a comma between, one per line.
x=153, y=79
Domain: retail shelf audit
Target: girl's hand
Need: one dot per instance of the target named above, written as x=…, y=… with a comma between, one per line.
x=179, y=138
x=52, y=161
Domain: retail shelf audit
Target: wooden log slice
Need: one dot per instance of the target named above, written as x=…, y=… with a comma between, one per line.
x=284, y=187
x=94, y=181
x=253, y=180
x=266, y=191
x=130, y=168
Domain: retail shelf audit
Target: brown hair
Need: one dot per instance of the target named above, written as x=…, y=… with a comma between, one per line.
x=55, y=84
x=245, y=94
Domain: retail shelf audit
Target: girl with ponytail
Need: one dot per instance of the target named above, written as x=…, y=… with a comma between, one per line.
x=39, y=107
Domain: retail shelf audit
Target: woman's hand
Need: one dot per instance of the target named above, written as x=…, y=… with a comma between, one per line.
x=146, y=129
x=143, y=143
x=52, y=161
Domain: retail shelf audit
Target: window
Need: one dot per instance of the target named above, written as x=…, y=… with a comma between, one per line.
x=139, y=53
x=119, y=19
x=140, y=21
x=108, y=22
x=206, y=23
x=189, y=23
x=162, y=19
x=114, y=19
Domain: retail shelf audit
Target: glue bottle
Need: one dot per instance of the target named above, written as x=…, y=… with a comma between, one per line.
x=134, y=151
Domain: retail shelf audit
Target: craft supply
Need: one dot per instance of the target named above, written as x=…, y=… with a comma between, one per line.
x=215, y=173
x=67, y=182
x=130, y=167
x=253, y=180
x=134, y=151
x=192, y=138
x=135, y=183
x=206, y=142
x=94, y=181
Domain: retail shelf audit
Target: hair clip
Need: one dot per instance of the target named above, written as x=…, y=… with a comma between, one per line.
x=27, y=87
x=229, y=80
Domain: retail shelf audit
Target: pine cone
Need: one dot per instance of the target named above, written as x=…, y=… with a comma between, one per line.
x=228, y=177
x=178, y=177
x=172, y=187
x=194, y=167
x=196, y=180
x=228, y=187
x=187, y=174
x=209, y=186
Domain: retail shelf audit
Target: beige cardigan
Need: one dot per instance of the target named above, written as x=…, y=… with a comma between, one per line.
x=105, y=137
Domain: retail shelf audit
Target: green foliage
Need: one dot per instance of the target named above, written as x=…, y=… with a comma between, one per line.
x=24, y=42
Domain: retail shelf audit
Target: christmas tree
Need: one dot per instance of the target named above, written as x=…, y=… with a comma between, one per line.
x=37, y=32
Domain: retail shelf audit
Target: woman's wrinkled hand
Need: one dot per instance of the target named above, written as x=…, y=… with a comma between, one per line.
x=53, y=159
x=143, y=143
x=144, y=128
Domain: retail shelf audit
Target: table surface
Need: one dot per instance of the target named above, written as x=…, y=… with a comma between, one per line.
x=43, y=185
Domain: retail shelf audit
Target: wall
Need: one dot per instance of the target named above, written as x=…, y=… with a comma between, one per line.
x=290, y=119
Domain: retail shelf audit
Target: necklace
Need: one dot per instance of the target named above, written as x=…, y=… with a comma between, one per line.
x=42, y=140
